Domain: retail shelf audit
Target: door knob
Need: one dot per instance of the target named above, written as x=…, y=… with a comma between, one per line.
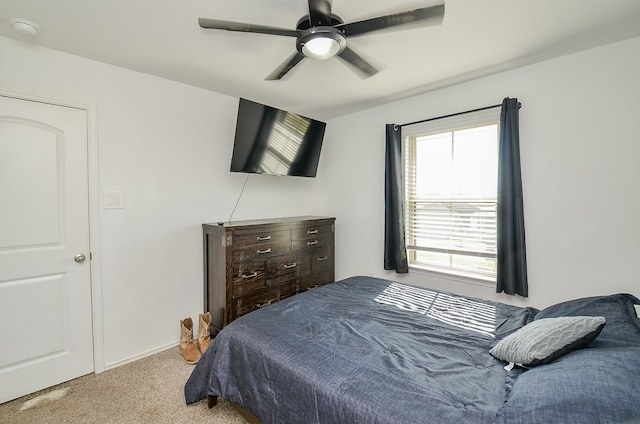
x=79, y=258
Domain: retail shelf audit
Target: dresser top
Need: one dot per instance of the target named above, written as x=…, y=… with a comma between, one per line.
x=268, y=221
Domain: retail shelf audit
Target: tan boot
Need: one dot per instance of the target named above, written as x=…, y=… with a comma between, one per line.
x=204, y=335
x=188, y=348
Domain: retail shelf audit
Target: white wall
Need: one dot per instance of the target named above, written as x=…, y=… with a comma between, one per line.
x=580, y=144
x=167, y=146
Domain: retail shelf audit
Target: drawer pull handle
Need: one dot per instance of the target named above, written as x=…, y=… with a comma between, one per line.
x=312, y=231
x=265, y=238
x=289, y=266
x=246, y=277
x=260, y=252
x=262, y=305
x=311, y=243
x=322, y=258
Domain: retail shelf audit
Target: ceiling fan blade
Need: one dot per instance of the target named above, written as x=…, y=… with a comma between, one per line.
x=242, y=27
x=426, y=16
x=285, y=67
x=364, y=68
x=320, y=12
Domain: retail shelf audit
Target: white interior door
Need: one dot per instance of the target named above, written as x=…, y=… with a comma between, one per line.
x=45, y=294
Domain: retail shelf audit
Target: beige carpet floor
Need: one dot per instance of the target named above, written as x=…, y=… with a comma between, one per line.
x=150, y=390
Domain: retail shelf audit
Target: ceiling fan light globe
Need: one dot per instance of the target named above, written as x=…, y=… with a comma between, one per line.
x=321, y=43
x=321, y=48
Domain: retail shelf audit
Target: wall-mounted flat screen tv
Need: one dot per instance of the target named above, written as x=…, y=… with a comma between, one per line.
x=275, y=142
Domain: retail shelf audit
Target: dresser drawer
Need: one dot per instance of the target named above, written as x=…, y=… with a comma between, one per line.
x=261, y=298
x=315, y=280
x=248, y=276
x=321, y=260
x=256, y=300
x=304, y=264
x=311, y=231
x=262, y=237
x=266, y=250
x=318, y=240
x=315, y=260
x=283, y=268
x=287, y=290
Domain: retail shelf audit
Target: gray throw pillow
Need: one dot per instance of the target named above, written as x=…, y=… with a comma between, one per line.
x=545, y=340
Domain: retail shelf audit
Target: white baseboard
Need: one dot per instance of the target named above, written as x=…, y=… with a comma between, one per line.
x=141, y=356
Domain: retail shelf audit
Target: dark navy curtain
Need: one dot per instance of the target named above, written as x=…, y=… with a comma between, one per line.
x=512, y=254
x=395, y=250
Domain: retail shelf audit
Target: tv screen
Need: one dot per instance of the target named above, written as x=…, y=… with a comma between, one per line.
x=275, y=142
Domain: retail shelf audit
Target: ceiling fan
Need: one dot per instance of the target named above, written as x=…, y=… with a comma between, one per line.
x=321, y=35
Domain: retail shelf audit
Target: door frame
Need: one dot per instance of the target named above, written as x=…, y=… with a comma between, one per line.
x=95, y=274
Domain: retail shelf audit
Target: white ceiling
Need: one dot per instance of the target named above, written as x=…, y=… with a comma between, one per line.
x=477, y=37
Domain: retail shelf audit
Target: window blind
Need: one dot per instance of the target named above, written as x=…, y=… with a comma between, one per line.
x=451, y=192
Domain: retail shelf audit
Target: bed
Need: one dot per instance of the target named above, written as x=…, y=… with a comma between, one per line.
x=369, y=350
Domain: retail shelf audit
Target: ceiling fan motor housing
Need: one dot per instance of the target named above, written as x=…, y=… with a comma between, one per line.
x=305, y=22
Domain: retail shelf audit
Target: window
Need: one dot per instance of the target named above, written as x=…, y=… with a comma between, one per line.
x=451, y=175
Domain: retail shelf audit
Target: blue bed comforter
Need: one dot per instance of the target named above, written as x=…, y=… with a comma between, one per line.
x=363, y=350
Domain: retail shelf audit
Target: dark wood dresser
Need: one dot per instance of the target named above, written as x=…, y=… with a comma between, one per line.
x=251, y=264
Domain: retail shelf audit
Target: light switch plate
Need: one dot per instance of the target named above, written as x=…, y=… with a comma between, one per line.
x=112, y=200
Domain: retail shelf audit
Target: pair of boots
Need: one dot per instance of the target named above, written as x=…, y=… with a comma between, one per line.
x=190, y=351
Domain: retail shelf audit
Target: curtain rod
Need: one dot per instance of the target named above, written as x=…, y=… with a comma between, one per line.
x=448, y=116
